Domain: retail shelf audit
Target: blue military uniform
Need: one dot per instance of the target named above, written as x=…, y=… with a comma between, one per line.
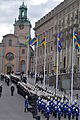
x=69, y=112
x=55, y=110
x=59, y=112
x=39, y=104
x=77, y=112
x=73, y=110
x=26, y=104
x=47, y=111
x=65, y=109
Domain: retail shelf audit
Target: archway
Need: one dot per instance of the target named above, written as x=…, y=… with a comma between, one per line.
x=9, y=68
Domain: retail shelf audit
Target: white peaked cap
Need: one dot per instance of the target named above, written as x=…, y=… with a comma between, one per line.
x=51, y=99
x=47, y=103
x=75, y=100
x=26, y=96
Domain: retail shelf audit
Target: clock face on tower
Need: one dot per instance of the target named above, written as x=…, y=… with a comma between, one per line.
x=21, y=26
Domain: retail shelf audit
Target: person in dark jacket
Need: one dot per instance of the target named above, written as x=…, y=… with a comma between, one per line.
x=12, y=90
x=0, y=89
x=8, y=81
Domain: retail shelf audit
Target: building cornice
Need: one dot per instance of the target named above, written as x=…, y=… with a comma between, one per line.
x=54, y=12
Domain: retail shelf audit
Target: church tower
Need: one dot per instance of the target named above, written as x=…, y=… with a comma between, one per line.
x=22, y=26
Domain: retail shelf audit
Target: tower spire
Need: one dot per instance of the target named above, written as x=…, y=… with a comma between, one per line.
x=23, y=2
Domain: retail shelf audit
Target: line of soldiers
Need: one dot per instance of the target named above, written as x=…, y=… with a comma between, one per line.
x=58, y=108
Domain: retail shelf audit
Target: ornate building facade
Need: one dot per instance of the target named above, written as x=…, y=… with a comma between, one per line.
x=13, y=52
x=62, y=19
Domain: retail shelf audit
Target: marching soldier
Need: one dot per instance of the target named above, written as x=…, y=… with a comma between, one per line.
x=59, y=113
x=77, y=112
x=65, y=108
x=55, y=109
x=73, y=110
x=39, y=103
x=47, y=111
x=69, y=113
x=26, y=104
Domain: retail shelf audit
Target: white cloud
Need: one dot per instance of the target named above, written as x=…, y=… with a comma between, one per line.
x=37, y=2
x=9, y=10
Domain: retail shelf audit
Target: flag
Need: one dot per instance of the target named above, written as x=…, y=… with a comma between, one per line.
x=59, y=44
x=76, y=41
x=33, y=41
x=27, y=41
x=43, y=42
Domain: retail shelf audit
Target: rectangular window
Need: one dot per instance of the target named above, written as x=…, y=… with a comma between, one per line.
x=10, y=42
x=23, y=51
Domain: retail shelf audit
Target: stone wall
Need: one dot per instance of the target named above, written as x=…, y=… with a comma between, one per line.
x=65, y=80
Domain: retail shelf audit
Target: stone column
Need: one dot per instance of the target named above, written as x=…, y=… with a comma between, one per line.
x=17, y=58
x=55, y=53
x=66, y=50
x=75, y=53
x=70, y=49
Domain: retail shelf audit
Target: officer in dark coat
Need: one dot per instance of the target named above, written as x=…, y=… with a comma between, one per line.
x=2, y=76
x=12, y=90
x=8, y=81
x=0, y=89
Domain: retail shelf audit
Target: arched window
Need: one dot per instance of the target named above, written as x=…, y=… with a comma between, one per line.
x=10, y=42
x=22, y=13
x=23, y=66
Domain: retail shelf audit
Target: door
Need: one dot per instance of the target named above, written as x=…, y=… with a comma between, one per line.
x=9, y=69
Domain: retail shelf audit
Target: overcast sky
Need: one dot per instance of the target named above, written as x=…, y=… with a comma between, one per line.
x=9, y=10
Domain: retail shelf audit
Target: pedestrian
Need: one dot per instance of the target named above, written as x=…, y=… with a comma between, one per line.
x=12, y=90
x=0, y=89
x=26, y=104
x=8, y=81
x=2, y=76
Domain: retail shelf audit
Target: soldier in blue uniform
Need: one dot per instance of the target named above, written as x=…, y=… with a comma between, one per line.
x=39, y=103
x=73, y=110
x=59, y=113
x=61, y=106
x=69, y=112
x=43, y=104
x=51, y=105
x=26, y=104
x=65, y=108
x=47, y=111
x=55, y=109
x=77, y=112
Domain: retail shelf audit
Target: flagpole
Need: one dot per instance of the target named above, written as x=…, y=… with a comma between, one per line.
x=28, y=62
x=57, y=68
x=72, y=69
x=36, y=61
x=44, y=60
x=28, y=56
